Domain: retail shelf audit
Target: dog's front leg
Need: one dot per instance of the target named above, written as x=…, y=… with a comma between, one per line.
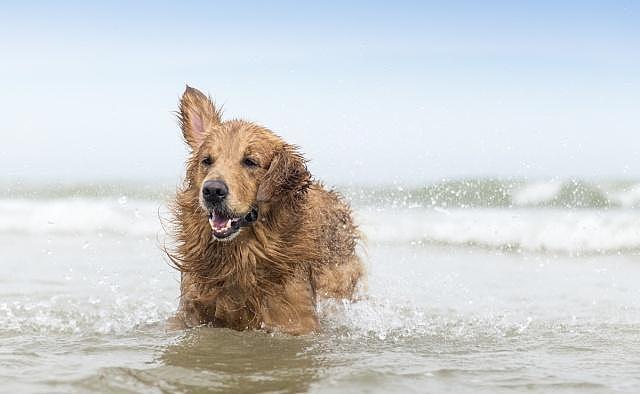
x=293, y=311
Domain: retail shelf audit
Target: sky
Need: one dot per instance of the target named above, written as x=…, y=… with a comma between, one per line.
x=373, y=92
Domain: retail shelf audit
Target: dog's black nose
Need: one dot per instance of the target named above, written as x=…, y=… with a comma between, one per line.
x=214, y=190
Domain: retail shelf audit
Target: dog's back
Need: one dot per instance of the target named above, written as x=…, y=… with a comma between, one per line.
x=340, y=270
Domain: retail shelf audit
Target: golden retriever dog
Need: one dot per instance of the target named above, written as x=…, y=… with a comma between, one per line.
x=257, y=240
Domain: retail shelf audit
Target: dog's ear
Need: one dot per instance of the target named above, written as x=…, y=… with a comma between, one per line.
x=287, y=175
x=197, y=114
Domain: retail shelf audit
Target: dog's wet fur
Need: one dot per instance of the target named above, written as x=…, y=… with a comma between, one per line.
x=257, y=240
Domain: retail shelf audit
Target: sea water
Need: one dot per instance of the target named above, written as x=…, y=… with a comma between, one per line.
x=473, y=286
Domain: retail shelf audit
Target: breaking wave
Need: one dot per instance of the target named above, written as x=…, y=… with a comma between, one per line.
x=521, y=230
x=572, y=217
x=79, y=216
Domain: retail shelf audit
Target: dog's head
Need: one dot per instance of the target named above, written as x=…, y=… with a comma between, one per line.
x=237, y=168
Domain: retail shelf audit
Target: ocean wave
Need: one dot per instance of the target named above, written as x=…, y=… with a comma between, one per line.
x=572, y=232
x=494, y=193
x=570, y=217
x=80, y=216
x=577, y=231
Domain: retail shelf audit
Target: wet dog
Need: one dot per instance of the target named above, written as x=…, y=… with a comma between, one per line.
x=257, y=240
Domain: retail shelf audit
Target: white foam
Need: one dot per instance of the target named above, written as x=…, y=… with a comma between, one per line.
x=78, y=215
x=628, y=197
x=565, y=231
x=536, y=193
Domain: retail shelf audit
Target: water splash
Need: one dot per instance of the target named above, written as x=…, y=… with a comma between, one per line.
x=93, y=315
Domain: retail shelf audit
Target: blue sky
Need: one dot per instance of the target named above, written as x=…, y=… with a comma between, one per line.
x=407, y=92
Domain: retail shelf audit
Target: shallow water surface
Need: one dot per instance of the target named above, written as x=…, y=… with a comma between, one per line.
x=455, y=303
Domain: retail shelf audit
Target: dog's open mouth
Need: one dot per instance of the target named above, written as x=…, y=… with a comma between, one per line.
x=223, y=226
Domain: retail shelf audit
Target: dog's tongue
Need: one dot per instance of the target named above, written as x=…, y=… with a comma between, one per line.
x=218, y=222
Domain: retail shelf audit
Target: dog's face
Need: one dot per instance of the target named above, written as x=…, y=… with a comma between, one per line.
x=237, y=168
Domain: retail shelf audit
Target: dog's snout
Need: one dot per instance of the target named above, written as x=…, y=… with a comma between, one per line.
x=214, y=190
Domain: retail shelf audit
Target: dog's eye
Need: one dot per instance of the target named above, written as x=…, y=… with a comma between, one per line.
x=207, y=161
x=249, y=162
